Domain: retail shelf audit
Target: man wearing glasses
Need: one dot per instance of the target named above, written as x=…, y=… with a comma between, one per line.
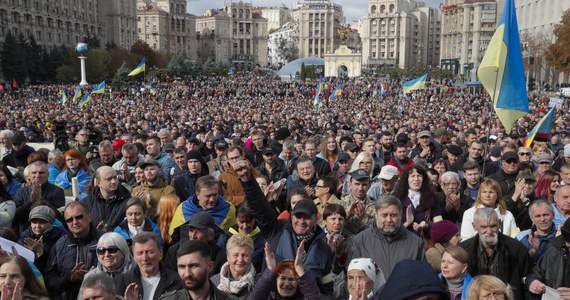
x=72, y=258
x=507, y=175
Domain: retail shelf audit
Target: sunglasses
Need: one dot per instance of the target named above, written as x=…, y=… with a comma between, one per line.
x=525, y=153
x=76, y=218
x=111, y=250
x=512, y=161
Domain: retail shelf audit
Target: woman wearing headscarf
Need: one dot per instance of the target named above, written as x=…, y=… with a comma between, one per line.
x=364, y=279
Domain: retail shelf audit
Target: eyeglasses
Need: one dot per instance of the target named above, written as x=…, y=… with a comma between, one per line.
x=111, y=250
x=234, y=159
x=524, y=153
x=76, y=218
x=511, y=161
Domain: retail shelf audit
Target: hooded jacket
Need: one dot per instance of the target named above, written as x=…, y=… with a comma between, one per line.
x=412, y=278
x=223, y=213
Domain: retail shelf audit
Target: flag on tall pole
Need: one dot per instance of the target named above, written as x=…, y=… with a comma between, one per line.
x=337, y=92
x=542, y=129
x=100, y=88
x=317, y=101
x=77, y=94
x=416, y=84
x=139, y=69
x=63, y=97
x=85, y=100
x=501, y=71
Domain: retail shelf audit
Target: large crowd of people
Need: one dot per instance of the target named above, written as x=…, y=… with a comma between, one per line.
x=237, y=187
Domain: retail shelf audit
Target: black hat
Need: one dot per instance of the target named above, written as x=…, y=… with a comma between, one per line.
x=202, y=220
x=194, y=140
x=150, y=162
x=18, y=138
x=350, y=147
x=359, y=175
x=454, y=149
x=221, y=144
x=566, y=231
x=509, y=155
x=343, y=157
x=306, y=207
x=268, y=150
x=195, y=154
x=514, y=135
x=525, y=176
x=282, y=133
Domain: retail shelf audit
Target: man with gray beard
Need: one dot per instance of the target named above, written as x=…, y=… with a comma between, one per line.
x=493, y=253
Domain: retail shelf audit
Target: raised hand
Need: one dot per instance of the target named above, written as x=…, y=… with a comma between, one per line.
x=269, y=257
x=132, y=292
x=299, y=257
x=78, y=272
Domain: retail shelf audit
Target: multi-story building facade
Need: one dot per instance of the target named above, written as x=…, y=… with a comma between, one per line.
x=67, y=22
x=400, y=33
x=276, y=17
x=242, y=44
x=536, y=21
x=282, y=46
x=467, y=29
x=166, y=26
x=316, y=22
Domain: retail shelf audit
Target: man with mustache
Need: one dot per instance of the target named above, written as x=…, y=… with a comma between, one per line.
x=493, y=253
x=386, y=241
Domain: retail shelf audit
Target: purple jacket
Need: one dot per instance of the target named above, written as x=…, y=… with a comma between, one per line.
x=265, y=287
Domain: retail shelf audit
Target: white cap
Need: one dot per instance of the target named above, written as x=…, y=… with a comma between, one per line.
x=388, y=172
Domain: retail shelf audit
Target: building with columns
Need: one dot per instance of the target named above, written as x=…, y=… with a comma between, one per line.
x=316, y=22
x=400, y=33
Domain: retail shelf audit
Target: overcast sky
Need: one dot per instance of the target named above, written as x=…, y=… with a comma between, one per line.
x=353, y=9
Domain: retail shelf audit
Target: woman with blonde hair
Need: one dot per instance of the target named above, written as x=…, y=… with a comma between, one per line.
x=487, y=286
x=455, y=272
x=166, y=207
x=363, y=161
x=237, y=275
x=490, y=195
x=329, y=150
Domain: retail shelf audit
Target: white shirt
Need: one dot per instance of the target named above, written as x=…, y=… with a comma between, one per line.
x=149, y=286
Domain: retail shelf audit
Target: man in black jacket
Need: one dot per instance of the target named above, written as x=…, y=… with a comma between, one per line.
x=185, y=184
x=107, y=201
x=73, y=255
x=150, y=277
x=493, y=253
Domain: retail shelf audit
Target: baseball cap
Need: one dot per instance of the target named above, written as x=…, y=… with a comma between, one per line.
x=350, y=147
x=150, y=162
x=42, y=212
x=359, y=175
x=202, y=220
x=388, y=172
x=343, y=157
x=221, y=144
x=525, y=176
x=424, y=133
x=306, y=207
x=268, y=150
x=510, y=155
x=545, y=157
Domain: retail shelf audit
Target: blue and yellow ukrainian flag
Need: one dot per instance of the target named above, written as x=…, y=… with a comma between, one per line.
x=77, y=94
x=63, y=97
x=416, y=84
x=317, y=103
x=542, y=128
x=140, y=68
x=337, y=92
x=99, y=89
x=501, y=72
x=85, y=100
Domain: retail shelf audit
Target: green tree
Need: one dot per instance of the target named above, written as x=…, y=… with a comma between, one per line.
x=65, y=74
x=97, y=65
x=13, y=60
x=121, y=80
x=558, y=53
x=36, y=67
x=303, y=72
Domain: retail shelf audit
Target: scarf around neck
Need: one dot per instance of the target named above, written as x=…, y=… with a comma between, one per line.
x=235, y=286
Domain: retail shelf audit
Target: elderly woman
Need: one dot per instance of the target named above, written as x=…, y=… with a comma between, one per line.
x=113, y=254
x=487, y=286
x=418, y=198
x=18, y=281
x=237, y=275
x=454, y=272
x=490, y=195
x=364, y=279
x=136, y=221
x=75, y=167
x=443, y=234
x=285, y=280
x=337, y=237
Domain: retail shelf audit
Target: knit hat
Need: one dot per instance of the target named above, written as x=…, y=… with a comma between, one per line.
x=282, y=133
x=443, y=231
x=369, y=267
x=412, y=278
x=195, y=154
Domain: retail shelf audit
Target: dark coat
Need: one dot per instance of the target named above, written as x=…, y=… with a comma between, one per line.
x=506, y=181
x=111, y=211
x=514, y=264
x=182, y=294
x=277, y=173
x=553, y=266
x=265, y=288
x=50, y=192
x=185, y=184
x=169, y=282
x=49, y=239
x=218, y=253
x=280, y=235
x=69, y=251
x=254, y=156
